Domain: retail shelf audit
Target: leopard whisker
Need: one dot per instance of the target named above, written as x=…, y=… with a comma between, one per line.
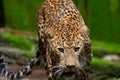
x=54, y=67
x=81, y=70
x=78, y=71
x=59, y=72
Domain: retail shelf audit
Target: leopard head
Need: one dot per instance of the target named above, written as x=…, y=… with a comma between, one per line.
x=66, y=50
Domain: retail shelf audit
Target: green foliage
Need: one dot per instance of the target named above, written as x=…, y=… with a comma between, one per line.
x=114, y=6
x=101, y=48
x=26, y=45
x=105, y=63
x=107, y=68
x=116, y=79
x=19, y=41
x=21, y=14
x=104, y=24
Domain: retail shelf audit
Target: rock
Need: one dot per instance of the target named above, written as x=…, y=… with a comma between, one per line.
x=112, y=57
x=13, y=55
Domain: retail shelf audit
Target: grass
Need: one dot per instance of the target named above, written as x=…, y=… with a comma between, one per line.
x=105, y=63
x=26, y=45
x=116, y=79
x=19, y=41
x=108, y=68
x=101, y=48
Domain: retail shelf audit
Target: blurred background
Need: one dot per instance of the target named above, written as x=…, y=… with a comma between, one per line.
x=18, y=33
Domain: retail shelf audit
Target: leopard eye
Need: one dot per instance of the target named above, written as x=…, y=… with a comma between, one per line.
x=61, y=50
x=76, y=49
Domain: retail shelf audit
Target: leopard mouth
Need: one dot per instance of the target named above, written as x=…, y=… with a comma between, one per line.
x=68, y=74
x=62, y=72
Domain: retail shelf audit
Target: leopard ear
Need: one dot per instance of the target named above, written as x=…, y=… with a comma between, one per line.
x=50, y=33
x=83, y=31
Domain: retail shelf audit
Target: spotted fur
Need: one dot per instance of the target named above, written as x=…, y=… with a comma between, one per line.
x=64, y=43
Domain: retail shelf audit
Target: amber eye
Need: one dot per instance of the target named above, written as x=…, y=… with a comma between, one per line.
x=76, y=49
x=61, y=50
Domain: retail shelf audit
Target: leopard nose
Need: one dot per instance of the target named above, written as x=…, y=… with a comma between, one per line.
x=70, y=66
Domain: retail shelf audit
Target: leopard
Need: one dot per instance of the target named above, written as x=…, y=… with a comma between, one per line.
x=64, y=44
